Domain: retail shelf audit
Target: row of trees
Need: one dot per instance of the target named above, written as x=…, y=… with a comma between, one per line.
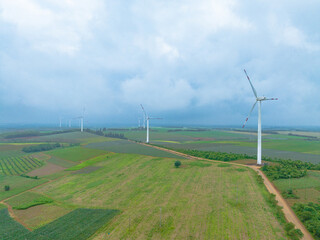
x=41, y=147
x=220, y=156
x=109, y=134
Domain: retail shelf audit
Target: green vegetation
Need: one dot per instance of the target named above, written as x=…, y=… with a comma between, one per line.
x=108, y=134
x=285, y=169
x=177, y=164
x=18, y=165
x=27, y=200
x=294, y=234
x=199, y=164
x=80, y=224
x=7, y=188
x=309, y=214
x=195, y=201
x=10, y=229
x=220, y=156
x=76, y=154
x=41, y=147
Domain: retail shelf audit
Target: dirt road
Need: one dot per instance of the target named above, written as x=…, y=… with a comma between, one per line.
x=288, y=212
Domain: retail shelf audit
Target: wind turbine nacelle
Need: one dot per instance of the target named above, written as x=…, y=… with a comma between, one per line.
x=261, y=98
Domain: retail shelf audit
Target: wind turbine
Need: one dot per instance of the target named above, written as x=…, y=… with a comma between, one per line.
x=81, y=120
x=60, y=122
x=258, y=100
x=146, y=116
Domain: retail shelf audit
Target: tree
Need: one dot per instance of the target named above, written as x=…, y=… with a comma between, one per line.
x=177, y=164
x=6, y=187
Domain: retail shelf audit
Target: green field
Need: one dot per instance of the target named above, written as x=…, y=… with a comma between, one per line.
x=198, y=201
x=79, y=224
x=76, y=154
x=153, y=198
x=27, y=200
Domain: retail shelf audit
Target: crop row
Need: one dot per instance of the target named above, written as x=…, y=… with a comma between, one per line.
x=18, y=165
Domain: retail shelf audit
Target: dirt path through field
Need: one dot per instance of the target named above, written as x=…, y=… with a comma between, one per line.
x=288, y=212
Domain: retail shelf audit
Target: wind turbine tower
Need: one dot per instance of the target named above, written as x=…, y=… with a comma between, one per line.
x=258, y=100
x=146, y=116
x=60, y=122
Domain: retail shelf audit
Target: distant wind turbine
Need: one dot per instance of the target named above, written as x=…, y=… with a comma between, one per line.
x=146, y=116
x=258, y=100
x=60, y=122
x=81, y=118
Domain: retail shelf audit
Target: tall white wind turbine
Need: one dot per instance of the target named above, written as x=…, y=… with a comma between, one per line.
x=146, y=116
x=258, y=100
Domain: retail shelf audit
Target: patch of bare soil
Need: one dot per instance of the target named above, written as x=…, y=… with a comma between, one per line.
x=48, y=169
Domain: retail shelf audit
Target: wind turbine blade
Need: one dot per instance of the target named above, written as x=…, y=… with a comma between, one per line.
x=249, y=114
x=144, y=112
x=253, y=89
x=271, y=99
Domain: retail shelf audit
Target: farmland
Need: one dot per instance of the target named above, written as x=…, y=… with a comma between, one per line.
x=281, y=144
x=73, y=225
x=151, y=198
x=191, y=208
x=18, y=165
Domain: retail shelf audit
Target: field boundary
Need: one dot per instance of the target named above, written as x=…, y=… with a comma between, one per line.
x=286, y=209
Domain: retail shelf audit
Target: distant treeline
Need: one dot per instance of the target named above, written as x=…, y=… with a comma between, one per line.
x=109, y=134
x=46, y=147
x=116, y=129
x=297, y=135
x=35, y=134
x=189, y=130
x=41, y=147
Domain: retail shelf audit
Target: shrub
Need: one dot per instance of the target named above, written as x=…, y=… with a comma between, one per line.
x=6, y=187
x=177, y=164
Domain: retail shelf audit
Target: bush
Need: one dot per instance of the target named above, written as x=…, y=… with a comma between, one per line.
x=309, y=214
x=177, y=164
x=6, y=187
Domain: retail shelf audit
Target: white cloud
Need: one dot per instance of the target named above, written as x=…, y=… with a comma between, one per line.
x=285, y=33
x=51, y=26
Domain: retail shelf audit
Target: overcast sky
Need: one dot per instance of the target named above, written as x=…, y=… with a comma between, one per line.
x=182, y=59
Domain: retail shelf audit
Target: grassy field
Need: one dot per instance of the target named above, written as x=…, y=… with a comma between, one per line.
x=200, y=200
x=76, y=154
x=124, y=146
